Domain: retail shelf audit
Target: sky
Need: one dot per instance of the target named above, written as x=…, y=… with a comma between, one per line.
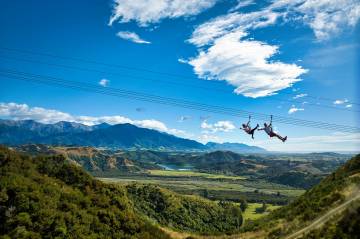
x=288, y=58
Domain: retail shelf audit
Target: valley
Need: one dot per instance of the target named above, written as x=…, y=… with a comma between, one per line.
x=171, y=119
x=217, y=175
x=180, y=202
x=175, y=192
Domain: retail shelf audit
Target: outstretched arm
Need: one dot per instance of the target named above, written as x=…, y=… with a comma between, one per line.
x=261, y=129
x=247, y=124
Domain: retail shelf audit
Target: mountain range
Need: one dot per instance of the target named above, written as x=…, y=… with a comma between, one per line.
x=119, y=136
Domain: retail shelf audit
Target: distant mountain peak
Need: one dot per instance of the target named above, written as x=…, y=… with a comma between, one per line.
x=121, y=136
x=234, y=147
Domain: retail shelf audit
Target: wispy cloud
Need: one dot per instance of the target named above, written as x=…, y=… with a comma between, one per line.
x=328, y=17
x=104, y=82
x=184, y=118
x=226, y=53
x=316, y=143
x=243, y=64
x=348, y=106
x=131, y=36
x=205, y=138
x=340, y=102
x=152, y=11
x=294, y=109
x=299, y=96
x=24, y=112
x=241, y=4
x=220, y=126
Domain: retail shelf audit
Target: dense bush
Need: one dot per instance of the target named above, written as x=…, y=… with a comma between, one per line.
x=346, y=227
x=315, y=202
x=188, y=213
x=47, y=197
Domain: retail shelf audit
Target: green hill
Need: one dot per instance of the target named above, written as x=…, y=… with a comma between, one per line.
x=336, y=189
x=50, y=197
x=185, y=213
x=47, y=197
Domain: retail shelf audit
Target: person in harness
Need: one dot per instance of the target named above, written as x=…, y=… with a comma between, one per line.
x=247, y=128
x=269, y=130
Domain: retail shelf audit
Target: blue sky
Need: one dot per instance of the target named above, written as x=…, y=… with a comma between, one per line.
x=250, y=55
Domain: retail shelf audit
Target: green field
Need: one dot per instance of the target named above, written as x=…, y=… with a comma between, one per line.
x=188, y=173
x=213, y=186
x=250, y=213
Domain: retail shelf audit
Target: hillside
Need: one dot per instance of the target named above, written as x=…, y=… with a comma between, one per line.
x=197, y=214
x=335, y=190
x=92, y=159
x=51, y=197
x=101, y=162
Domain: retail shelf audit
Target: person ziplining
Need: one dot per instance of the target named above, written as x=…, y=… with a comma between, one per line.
x=269, y=130
x=247, y=128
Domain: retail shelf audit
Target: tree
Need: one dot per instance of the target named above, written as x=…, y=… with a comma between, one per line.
x=206, y=193
x=243, y=204
x=261, y=209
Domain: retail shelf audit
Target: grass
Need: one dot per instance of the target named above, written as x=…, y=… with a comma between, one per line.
x=221, y=187
x=250, y=213
x=178, y=173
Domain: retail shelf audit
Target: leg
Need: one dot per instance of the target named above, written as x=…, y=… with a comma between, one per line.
x=253, y=131
x=281, y=138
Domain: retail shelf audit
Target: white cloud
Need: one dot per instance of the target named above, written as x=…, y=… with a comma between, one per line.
x=316, y=143
x=226, y=54
x=326, y=18
x=205, y=138
x=207, y=33
x=131, y=36
x=146, y=12
x=184, y=118
x=241, y=4
x=293, y=109
x=329, y=17
x=244, y=64
x=220, y=126
x=104, y=82
x=348, y=106
x=48, y=116
x=340, y=102
x=184, y=61
x=24, y=112
x=299, y=96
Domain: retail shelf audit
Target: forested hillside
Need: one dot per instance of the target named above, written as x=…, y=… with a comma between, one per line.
x=49, y=197
x=337, y=188
x=185, y=213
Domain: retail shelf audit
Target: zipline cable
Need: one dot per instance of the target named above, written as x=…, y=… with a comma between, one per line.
x=166, y=82
x=135, y=68
x=170, y=101
x=142, y=94
x=337, y=128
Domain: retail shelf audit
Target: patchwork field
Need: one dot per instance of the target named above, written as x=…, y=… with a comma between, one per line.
x=213, y=186
x=188, y=173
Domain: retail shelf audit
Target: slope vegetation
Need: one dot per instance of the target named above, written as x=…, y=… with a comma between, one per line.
x=51, y=197
x=185, y=213
x=336, y=189
x=47, y=197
